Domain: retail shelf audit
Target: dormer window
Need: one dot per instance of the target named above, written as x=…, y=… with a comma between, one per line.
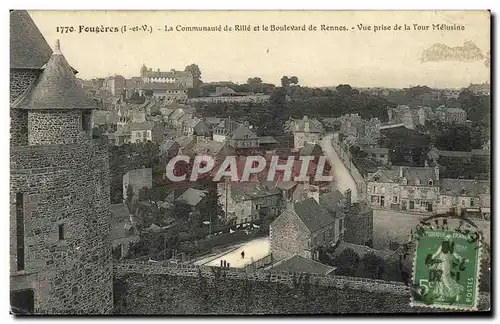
x=405, y=181
x=463, y=191
x=430, y=182
x=417, y=182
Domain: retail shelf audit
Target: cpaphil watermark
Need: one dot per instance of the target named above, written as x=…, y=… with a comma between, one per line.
x=246, y=169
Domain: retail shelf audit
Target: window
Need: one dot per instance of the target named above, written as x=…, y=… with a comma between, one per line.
x=138, y=134
x=472, y=202
x=86, y=121
x=20, y=230
x=374, y=189
x=430, y=182
x=395, y=199
x=382, y=156
x=405, y=181
x=61, y=232
x=463, y=202
x=443, y=200
x=412, y=204
x=417, y=182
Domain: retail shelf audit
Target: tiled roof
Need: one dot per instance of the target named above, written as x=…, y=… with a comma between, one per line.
x=184, y=140
x=169, y=144
x=201, y=129
x=241, y=191
x=299, y=264
x=312, y=215
x=192, y=196
x=464, y=187
x=28, y=47
x=208, y=147
x=56, y=88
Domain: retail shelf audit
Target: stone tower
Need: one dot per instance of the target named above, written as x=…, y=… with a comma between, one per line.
x=60, y=248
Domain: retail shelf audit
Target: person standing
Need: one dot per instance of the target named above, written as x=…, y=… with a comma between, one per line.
x=242, y=254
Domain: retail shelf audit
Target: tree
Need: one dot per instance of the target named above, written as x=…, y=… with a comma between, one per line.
x=129, y=198
x=347, y=262
x=373, y=266
x=294, y=80
x=180, y=211
x=196, y=73
x=253, y=81
x=285, y=81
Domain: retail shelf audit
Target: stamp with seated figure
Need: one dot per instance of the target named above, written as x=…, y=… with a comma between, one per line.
x=446, y=268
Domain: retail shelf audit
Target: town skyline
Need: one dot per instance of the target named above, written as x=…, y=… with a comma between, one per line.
x=389, y=62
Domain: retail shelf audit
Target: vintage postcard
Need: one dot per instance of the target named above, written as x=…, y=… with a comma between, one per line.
x=250, y=162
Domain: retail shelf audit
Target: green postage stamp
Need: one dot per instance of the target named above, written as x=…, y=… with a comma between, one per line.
x=446, y=269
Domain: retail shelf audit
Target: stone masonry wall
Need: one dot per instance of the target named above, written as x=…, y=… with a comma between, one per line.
x=63, y=185
x=56, y=127
x=146, y=288
x=287, y=238
x=20, y=81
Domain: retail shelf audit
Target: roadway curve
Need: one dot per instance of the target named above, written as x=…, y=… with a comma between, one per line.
x=340, y=173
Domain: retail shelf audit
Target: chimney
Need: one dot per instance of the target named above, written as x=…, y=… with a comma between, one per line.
x=400, y=171
x=158, y=70
x=306, y=126
x=436, y=170
x=57, y=47
x=347, y=195
x=305, y=118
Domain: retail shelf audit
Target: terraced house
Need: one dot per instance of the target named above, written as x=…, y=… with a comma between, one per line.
x=404, y=188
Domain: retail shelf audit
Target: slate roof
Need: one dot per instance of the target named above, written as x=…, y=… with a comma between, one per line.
x=310, y=148
x=242, y=133
x=361, y=250
x=28, y=47
x=312, y=215
x=315, y=125
x=267, y=140
x=212, y=120
x=376, y=150
x=241, y=191
x=162, y=86
x=464, y=187
x=332, y=202
x=147, y=125
x=184, y=141
x=411, y=173
x=299, y=264
x=56, y=88
x=120, y=221
x=201, y=129
x=192, y=196
x=208, y=147
x=169, y=144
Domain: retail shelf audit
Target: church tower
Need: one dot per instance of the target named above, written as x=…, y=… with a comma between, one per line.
x=60, y=247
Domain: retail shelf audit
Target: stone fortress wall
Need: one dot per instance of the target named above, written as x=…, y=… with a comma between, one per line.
x=73, y=274
x=156, y=288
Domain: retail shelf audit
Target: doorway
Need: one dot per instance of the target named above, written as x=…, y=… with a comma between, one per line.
x=22, y=302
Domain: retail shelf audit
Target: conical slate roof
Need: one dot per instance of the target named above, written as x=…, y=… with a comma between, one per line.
x=28, y=47
x=57, y=88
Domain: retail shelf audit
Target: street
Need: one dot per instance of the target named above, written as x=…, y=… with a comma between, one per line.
x=254, y=250
x=339, y=172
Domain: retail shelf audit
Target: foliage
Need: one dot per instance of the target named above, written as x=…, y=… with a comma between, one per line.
x=196, y=73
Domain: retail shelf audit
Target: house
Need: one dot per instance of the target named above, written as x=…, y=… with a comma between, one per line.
x=224, y=129
x=123, y=230
x=243, y=137
x=202, y=129
x=244, y=202
x=268, y=142
x=169, y=148
x=451, y=115
x=306, y=130
x=192, y=197
x=379, y=154
x=300, y=264
x=137, y=179
x=141, y=132
x=465, y=196
x=188, y=124
x=404, y=188
x=301, y=229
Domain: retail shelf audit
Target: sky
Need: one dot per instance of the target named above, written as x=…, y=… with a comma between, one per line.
x=318, y=58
